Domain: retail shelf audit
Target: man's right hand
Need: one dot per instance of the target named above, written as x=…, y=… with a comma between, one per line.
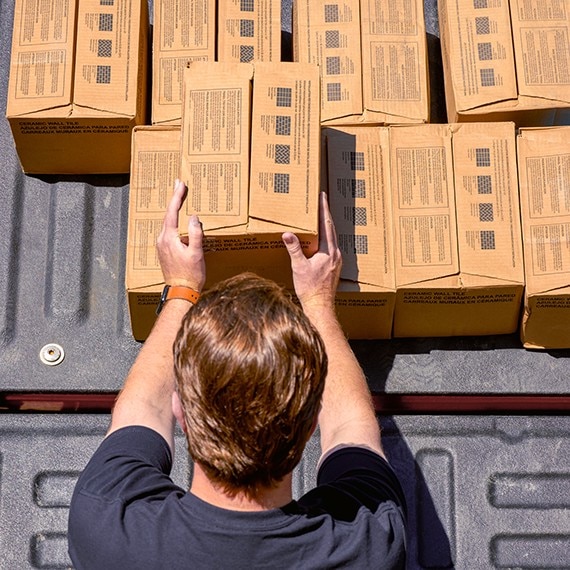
x=316, y=278
x=181, y=259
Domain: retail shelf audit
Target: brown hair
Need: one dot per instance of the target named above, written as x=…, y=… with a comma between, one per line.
x=250, y=372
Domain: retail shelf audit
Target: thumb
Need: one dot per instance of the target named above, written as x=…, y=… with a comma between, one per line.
x=293, y=246
x=195, y=232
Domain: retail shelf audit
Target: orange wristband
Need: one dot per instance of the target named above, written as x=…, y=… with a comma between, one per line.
x=177, y=292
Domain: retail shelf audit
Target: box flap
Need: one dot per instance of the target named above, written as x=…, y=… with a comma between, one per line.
x=285, y=144
x=358, y=173
x=423, y=202
x=487, y=202
x=541, y=37
x=250, y=35
x=42, y=57
x=155, y=165
x=215, y=141
x=477, y=49
x=329, y=36
x=544, y=170
x=176, y=42
x=111, y=39
x=394, y=59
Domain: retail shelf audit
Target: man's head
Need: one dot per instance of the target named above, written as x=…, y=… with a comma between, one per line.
x=250, y=372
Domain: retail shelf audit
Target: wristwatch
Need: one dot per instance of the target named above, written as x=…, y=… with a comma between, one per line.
x=177, y=292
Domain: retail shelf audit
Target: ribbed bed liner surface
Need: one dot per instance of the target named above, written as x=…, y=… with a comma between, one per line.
x=484, y=491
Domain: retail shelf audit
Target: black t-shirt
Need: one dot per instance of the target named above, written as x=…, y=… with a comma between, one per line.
x=127, y=513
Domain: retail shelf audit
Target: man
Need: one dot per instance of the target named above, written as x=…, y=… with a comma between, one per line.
x=250, y=374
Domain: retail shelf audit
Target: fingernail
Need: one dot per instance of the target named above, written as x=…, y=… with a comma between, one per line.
x=288, y=238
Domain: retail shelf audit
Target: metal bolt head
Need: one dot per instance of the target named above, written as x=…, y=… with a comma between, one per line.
x=52, y=354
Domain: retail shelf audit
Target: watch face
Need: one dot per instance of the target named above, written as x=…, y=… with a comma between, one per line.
x=162, y=299
x=164, y=295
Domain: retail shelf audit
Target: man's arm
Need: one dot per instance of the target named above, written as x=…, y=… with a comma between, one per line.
x=146, y=398
x=347, y=415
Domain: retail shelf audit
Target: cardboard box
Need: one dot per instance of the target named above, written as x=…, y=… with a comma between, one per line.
x=373, y=59
x=183, y=31
x=544, y=171
x=243, y=217
x=249, y=31
x=243, y=203
x=505, y=60
x=77, y=84
x=358, y=180
x=459, y=263
x=154, y=169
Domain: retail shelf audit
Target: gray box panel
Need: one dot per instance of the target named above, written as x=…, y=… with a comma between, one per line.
x=482, y=491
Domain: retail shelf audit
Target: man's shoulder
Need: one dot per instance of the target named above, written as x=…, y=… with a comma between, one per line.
x=353, y=477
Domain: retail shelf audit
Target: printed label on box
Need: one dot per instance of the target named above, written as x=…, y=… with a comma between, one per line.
x=397, y=17
x=184, y=25
x=550, y=248
x=214, y=188
x=44, y=22
x=548, y=181
x=155, y=171
x=422, y=180
x=425, y=240
x=217, y=121
x=146, y=232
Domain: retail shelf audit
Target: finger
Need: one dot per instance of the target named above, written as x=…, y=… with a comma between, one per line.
x=327, y=231
x=293, y=246
x=174, y=206
x=195, y=233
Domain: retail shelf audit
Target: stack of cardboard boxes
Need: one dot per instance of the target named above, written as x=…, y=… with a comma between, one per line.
x=428, y=216
x=77, y=87
x=231, y=113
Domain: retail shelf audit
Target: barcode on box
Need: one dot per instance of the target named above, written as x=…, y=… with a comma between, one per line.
x=331, y=13
x=333, y=65
x=488, y=77
x=282, y=125
x=104, y=48
x=479, y=4
x=246, y=28
x=282, y=153
x=105, y=22
x=351, y=187
x=483, y=156
x=281, y=183
x=283, y=96
x=246, y=6
x=487, y=239
x=351, y=244
x=332, y=39
x=485, y=51
x=486, y=212
x=103, y=74
x=484, y=184
x=357, y=161
x=246, y=54
x=106, y=2
x=482, y=25
x=333, y=92
x=359, y=188
x=356, y=215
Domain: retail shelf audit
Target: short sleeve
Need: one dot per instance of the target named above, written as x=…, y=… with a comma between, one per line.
x=363, y=475
x=129, y=473
x=114, y=472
